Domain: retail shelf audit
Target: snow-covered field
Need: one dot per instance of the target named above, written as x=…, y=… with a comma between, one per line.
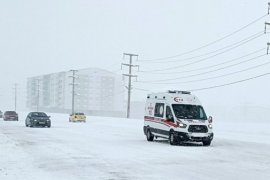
x=115, y=148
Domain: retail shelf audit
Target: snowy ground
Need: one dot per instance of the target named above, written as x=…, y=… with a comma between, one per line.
x=115, y=148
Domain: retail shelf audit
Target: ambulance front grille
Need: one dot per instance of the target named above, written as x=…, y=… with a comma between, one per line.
x=197, y=129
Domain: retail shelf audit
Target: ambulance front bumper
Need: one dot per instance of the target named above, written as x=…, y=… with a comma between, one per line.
x=195, y=137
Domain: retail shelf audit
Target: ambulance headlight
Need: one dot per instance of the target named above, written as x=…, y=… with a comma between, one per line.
x=182, y=125
x=210, y=126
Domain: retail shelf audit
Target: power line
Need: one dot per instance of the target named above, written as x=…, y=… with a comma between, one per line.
x=213, y=42
x=211, y=52
x=235, y=82
x=206, y=67
x=222, y=85
x=204, y=59
x=225, y=67
x=216, y=77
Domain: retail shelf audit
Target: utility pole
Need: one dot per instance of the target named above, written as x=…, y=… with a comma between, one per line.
x=265, y=24
x=268, y=8
x=268, y=45
x=38, y=89
x=129, y=75
x=73, y=88
x=15, y=96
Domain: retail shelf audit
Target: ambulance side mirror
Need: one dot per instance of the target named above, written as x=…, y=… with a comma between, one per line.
x=210, y=119
x=170, y=118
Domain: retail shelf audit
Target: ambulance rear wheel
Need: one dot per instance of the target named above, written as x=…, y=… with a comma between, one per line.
x=149, y=135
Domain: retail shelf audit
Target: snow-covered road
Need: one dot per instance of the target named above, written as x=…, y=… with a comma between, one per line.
x=115, y=148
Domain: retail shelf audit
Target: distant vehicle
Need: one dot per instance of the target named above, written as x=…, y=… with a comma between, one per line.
x=177, y=116
x=10, y=116
x=1, y=114
x=37, y=119
x=77, y=117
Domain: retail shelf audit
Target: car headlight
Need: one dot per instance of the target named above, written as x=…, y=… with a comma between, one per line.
x=210, y=126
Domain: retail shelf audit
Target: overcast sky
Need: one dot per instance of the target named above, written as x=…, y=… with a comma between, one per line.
x=47, y=36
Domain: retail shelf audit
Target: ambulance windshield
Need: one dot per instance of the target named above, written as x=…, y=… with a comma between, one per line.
x=187, y=111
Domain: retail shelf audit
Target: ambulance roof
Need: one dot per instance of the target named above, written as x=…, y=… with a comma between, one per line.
x=174, y=97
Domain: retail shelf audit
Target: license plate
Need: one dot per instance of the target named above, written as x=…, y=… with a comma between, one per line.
x=197, y=135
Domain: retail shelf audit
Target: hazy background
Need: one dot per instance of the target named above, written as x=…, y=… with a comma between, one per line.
x=47, y=36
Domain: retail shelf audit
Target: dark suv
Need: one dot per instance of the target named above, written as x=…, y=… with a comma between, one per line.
x=10, y=115
x=37, y=119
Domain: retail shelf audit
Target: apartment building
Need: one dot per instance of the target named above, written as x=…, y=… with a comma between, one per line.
x=96, y=92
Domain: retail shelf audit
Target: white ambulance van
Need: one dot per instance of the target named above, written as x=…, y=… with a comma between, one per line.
x=177, y=116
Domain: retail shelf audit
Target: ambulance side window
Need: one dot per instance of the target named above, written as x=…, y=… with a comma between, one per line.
x=169, y=115
x=159, y=110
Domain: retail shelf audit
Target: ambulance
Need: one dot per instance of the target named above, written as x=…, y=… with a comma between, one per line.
x=177, y=116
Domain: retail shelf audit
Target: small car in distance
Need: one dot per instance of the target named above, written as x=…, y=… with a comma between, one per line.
x=10, y=116
x=77, y=117
x=37, y=119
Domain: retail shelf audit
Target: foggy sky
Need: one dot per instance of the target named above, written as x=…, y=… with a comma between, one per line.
x=47, y=36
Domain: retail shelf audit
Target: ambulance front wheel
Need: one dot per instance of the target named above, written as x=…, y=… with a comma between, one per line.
x=172, y=139
x=207, y=143
x=149, y=135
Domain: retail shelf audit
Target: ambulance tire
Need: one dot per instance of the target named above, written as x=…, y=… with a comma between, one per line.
x=206, y=143
x=149, y=135
x=172, y=139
